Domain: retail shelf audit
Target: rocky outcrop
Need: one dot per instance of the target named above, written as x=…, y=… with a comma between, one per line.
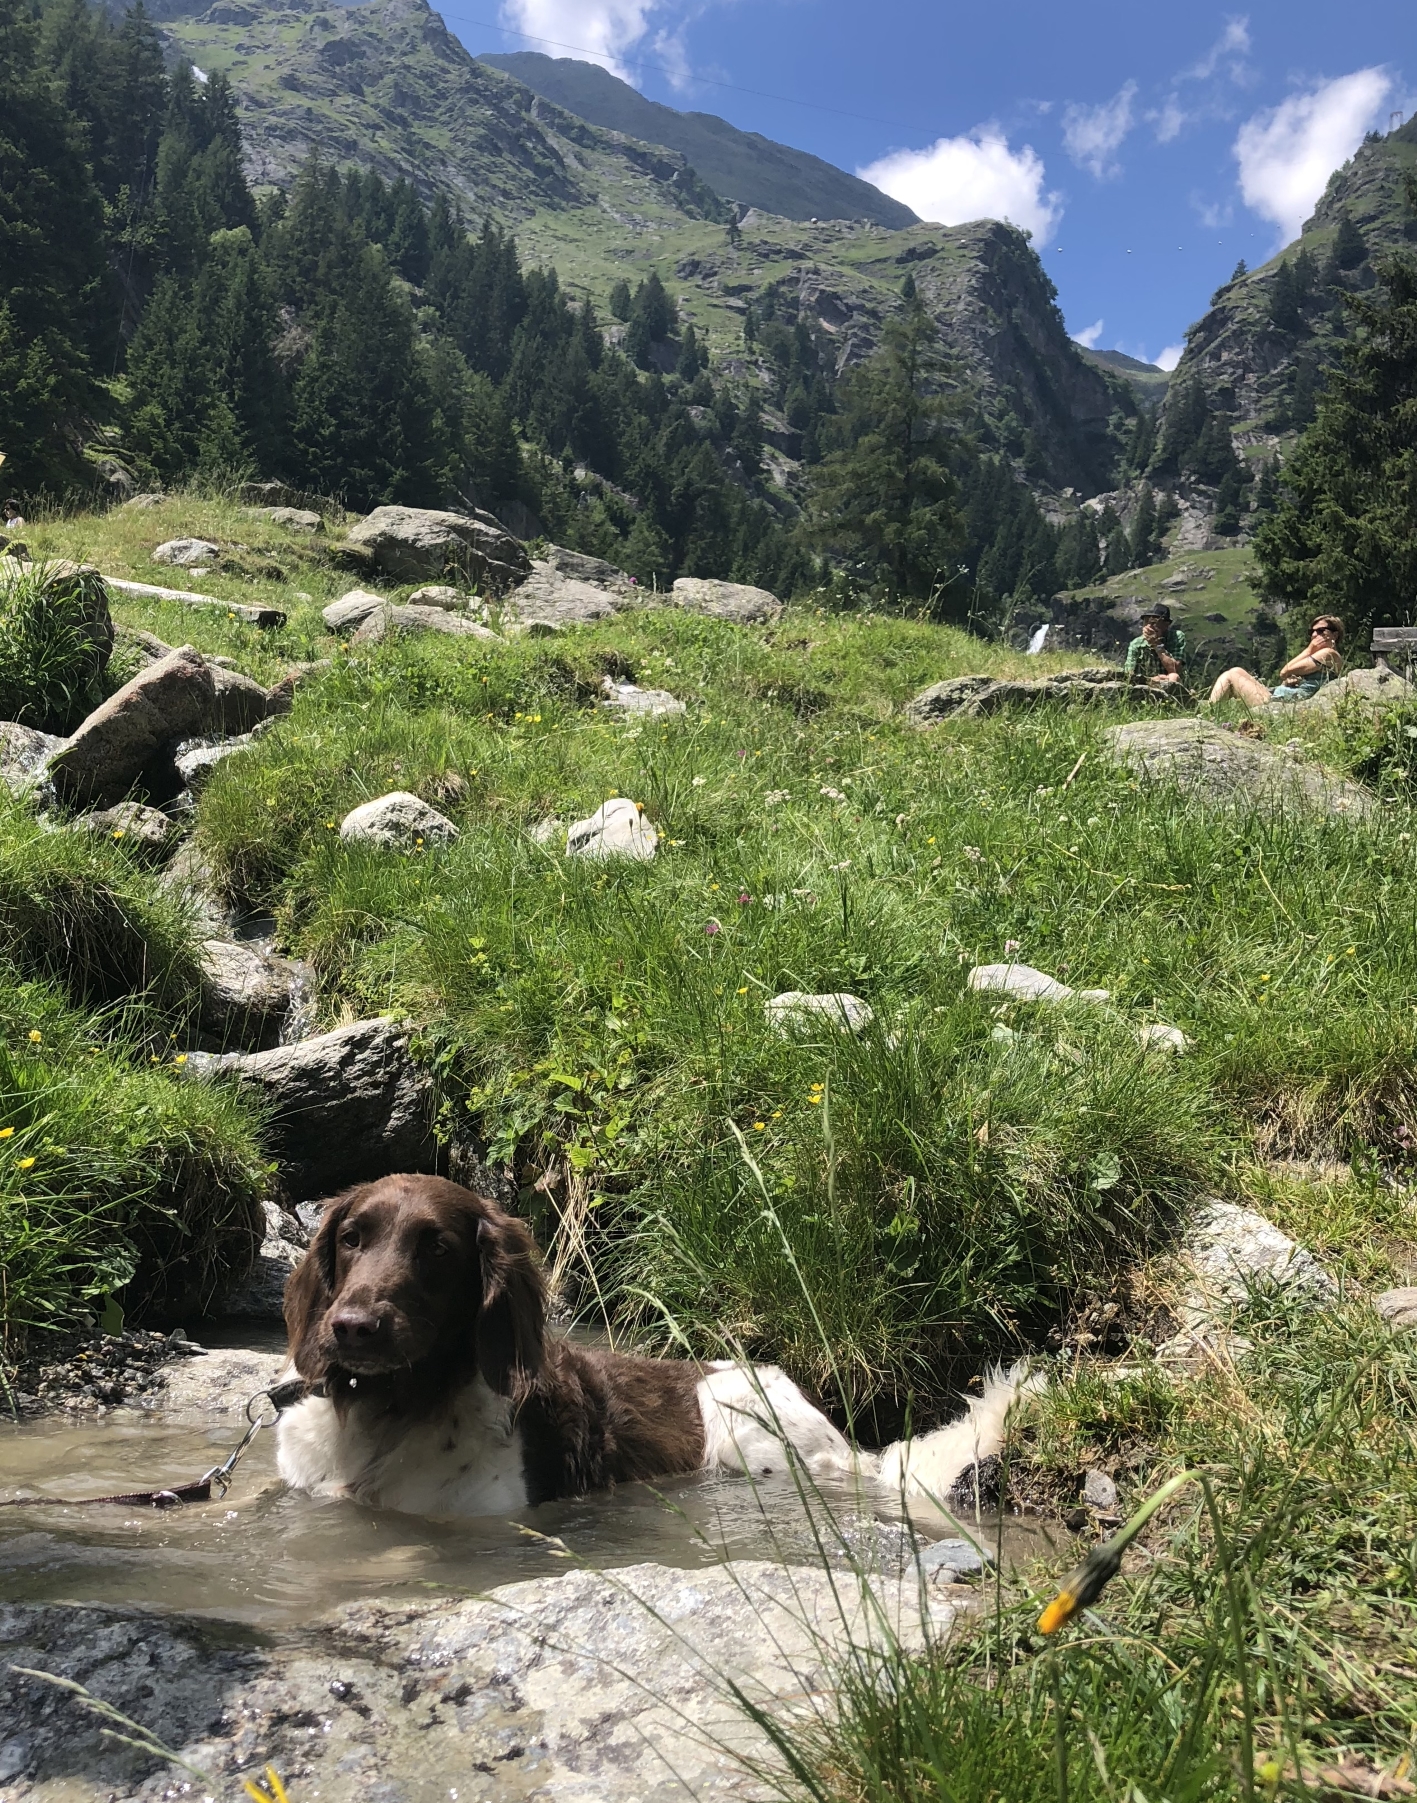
x=247, y=993
x=569, y=1688
x=399, y=821
x=294, y=519
x=171, y=700
x=239, y=702
x=549, y=600
x=973, y=696
x=735, y=601
x=416, y=544
x=401, y=622
x=342, y=1106
x=1219, y=768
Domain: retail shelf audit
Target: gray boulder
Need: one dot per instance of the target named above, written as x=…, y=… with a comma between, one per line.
x=260, y=1296
x=398, y=820
x=1371, y=689
x=549, y=601
x=61, y=577
x=146, y=830
x=972, y=696
x=617, y=829
x=351, y=610
x=144, y=502
x=629, y=698
x=187, y=553
x=294, y=519
x=415, y=544
x=171, y=700
x=735, y=601
x=246, y=993
x=1398, y=1308
x=24, y=753
x=572, y=1687
x=398, y=622
x=194, y=760
x=583, y=568
x=239, y=702
x=438, y=594
x=1230, y=1253
x=1219, y=768
x=341, y=1107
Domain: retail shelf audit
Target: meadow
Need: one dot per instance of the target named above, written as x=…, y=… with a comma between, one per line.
x=882, y=1213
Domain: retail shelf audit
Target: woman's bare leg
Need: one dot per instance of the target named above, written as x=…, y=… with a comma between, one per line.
x=1244, y=687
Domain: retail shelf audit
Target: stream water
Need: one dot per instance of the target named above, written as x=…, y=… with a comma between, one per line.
x=272, y=1557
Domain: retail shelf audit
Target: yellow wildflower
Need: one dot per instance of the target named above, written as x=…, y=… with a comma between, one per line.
x=36, y=1037
x=25, y=1164
x=7, y=1132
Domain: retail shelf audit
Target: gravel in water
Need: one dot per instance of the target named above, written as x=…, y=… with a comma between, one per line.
x=73, y=1372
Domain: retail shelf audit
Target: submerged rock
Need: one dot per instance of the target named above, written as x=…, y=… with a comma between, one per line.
x=795, y=1011
x=343, y=1106
x=398, y=820
x=617, y=829
x=1219, y=768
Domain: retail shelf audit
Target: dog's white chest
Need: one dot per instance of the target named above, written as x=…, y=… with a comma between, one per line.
x=465, y=1460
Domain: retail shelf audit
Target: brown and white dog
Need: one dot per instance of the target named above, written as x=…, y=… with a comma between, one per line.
x=420, y=1311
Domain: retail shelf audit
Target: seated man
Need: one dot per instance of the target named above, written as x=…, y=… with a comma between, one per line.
x=1319, y=662
x=1158, y=657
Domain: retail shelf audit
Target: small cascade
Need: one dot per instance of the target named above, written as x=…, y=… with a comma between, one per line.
x=299, y=1022
x=1036, y=643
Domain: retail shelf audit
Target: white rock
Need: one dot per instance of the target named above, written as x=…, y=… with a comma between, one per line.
x=795, y=1011
x=187, y=553
x=547, y=832
x=735, y=601
x=634, y=700
x=1399, y=1308
x=1099, y=1492
x=1022, y=983
x=1156, y=1036
x=617, y=829
x=351, y=610
x=399, y=820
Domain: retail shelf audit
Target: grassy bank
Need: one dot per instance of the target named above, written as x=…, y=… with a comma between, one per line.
x=957, y=1180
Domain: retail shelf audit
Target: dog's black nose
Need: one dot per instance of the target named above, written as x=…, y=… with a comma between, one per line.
x=354, y=1326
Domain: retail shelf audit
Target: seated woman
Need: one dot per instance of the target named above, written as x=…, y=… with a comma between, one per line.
x=1319, y=662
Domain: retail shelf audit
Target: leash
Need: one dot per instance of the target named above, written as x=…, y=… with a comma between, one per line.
x=280, y=1397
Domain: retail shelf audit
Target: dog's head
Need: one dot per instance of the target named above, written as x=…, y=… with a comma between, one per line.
x=415, y=1278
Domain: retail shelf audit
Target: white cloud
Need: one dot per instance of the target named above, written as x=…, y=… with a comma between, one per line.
x=1170, y=357
x=1287, y=154
x=1089, y=335
x=1231, y=47
x=1169, y=120
x=971, y=177
x=1214, y=215
x=1091, y=134
x=599, y=30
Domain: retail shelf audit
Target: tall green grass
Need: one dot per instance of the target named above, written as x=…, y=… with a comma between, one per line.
x=599, y=1029
x=118, y=1181
x=54, y=645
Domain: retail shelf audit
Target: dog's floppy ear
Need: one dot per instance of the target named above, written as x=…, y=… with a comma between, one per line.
x=512, y=1319
x=311, y=1289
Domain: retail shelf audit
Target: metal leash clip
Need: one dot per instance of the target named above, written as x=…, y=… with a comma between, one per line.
x=280, y=1397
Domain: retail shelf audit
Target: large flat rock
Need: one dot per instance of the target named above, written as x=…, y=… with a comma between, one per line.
x=1219, y=768
x=573, y=1688
x=739, y=602
x=418, y=544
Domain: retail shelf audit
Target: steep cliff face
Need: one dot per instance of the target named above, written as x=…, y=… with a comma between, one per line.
x=1261, y=350
x=386, y=86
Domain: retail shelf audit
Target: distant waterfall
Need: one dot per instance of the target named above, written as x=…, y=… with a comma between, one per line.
x=1035, y=644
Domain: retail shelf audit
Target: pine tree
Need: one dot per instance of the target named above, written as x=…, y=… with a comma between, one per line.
x=1349, y=247
x=1141, y=541
x=1284, y=299
x=1344, y=535
x=51, y=267
x=886, y=500
x=620, y=300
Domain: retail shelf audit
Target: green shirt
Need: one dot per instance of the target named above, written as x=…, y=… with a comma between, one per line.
x=1142, y=659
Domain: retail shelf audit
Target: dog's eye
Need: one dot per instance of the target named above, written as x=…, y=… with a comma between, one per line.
x=433, y=1246
x=350, y=1238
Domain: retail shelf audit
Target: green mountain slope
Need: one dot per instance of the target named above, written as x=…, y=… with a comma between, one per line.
x=1148, y=380
x=739, y=165
x=386, y=86
x=1262, y=348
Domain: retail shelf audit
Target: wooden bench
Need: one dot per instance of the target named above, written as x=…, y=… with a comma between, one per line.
x=1396, y=642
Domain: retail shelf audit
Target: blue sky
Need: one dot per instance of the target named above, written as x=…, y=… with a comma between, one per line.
x=1147, y=149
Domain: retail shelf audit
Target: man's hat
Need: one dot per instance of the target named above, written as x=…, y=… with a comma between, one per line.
x=1157, y=611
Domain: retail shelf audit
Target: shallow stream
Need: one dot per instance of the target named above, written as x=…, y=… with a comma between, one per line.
x=271, y=1557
